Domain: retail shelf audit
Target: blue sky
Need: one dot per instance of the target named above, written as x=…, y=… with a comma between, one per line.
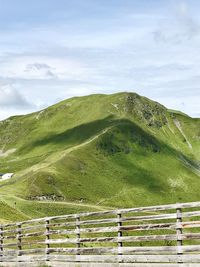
x=51, y=50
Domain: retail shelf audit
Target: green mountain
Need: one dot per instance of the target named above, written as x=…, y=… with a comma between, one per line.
x=98, y=152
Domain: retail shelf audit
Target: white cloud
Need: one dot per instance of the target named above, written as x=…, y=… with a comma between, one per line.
x=40, y=70
x=180, y=28
x=10, y=97
x=40, y=67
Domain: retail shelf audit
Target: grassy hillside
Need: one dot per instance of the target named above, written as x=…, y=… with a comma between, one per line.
x=98, y=152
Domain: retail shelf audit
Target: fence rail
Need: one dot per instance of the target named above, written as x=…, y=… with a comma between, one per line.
x=144, y=236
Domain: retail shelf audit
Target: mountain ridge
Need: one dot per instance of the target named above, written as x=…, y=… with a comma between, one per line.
x=101, y=149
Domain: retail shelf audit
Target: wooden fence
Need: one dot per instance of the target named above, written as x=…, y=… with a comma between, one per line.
x=167, y=235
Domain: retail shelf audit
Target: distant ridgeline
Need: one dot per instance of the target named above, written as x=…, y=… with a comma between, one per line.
x=98, y=151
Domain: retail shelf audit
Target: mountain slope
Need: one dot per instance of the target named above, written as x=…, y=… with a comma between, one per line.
x=101, y=150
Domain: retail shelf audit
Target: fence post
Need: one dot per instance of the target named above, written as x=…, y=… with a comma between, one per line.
x=1, y=238
x=78, y=236
x=19, y=239
x=47, y=239
x=119, y=234
x=179, y=232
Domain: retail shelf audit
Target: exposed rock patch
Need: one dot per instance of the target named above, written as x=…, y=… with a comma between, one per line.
x=47, y=197
x=178, y=125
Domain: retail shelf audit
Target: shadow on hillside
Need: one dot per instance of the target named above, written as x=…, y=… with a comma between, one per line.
x=79, y=134
x=84, y=132
x=70, y=137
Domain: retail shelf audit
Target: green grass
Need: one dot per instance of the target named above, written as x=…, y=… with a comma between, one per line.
x=98, y=152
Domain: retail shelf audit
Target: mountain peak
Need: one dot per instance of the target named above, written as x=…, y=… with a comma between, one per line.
x=110, y=149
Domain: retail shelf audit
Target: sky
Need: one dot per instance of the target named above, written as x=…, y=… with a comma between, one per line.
x=52, y=50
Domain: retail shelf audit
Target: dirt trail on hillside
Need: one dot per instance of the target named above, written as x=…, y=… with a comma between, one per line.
x=102, y=208
x=61, y=154
x=87, y=142
x=67, y=203
x=6, y=153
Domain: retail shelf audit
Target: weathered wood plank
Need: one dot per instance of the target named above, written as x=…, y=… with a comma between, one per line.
x=115, y=220
x=64, y=232
x=23, y=258
x=111, y=250
x=96, y=264
x=25, y=243
x=23, y=252
x=123, y=250
x=140, y=227
x=110, y=258
x=141, y=218
x=22, y=229
x=112, y=212
x=188, y=236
